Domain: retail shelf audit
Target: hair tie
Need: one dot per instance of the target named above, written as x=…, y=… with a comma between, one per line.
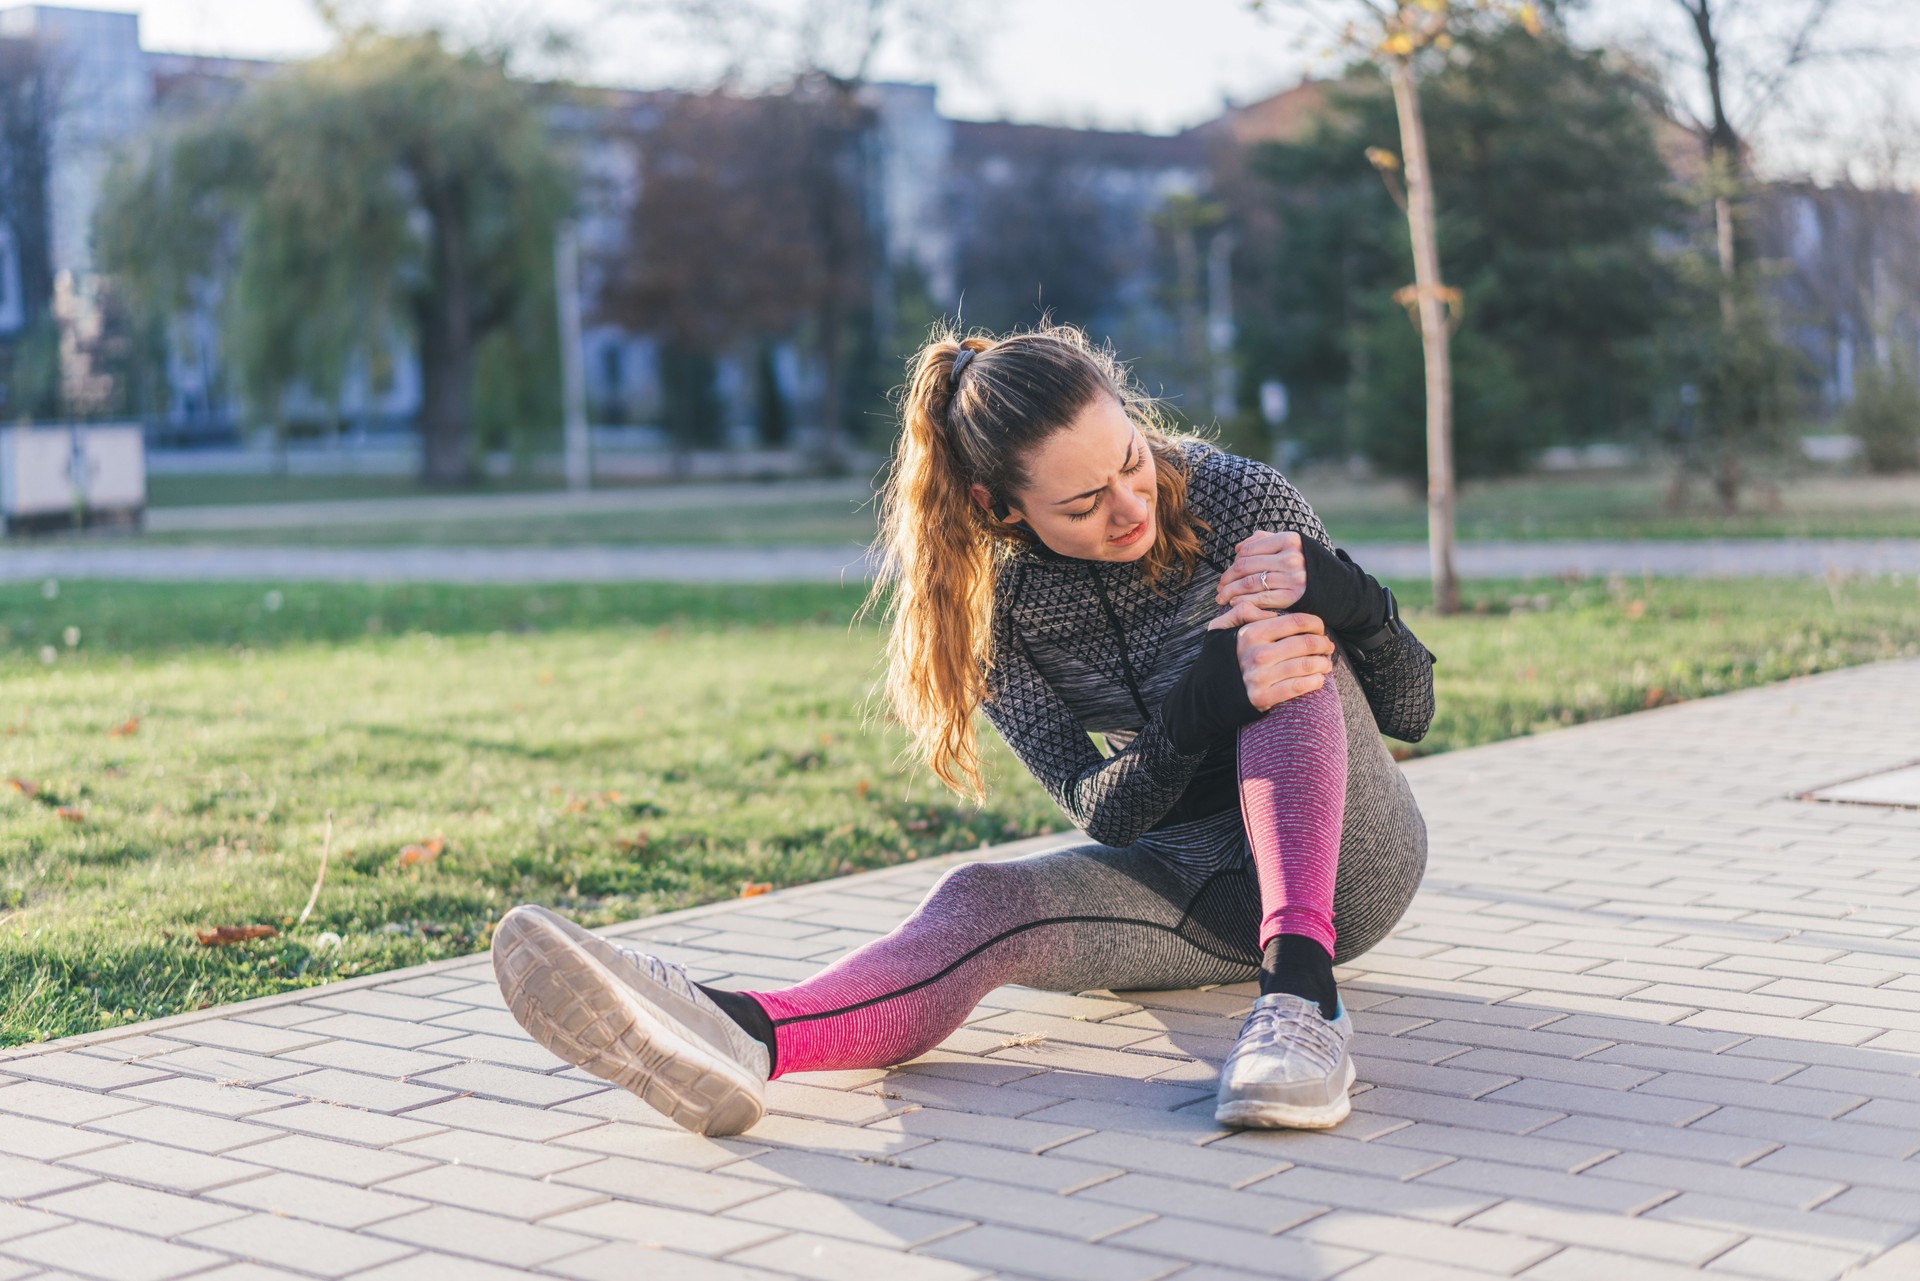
x=959, y=363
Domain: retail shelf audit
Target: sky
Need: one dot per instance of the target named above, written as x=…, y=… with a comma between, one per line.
x=1159, y=65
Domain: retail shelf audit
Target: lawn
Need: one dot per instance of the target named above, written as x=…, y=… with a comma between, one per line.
x=1530, y=507
x=169, y=756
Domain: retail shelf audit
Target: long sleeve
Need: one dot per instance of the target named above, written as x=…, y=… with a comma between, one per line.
x=1239, y=495
x=1113, y=798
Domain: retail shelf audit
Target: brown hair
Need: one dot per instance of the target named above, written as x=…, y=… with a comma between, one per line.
x=940, y=552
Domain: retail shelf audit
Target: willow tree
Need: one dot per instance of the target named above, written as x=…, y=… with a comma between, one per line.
x=394, y=193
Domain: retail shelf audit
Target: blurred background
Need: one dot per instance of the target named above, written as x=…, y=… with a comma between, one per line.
x=437, y=440
x=384, y=241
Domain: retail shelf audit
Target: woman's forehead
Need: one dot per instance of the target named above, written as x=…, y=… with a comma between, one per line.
x=1085, y=453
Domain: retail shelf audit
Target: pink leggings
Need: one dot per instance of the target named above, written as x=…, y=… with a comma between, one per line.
x=1176, y=909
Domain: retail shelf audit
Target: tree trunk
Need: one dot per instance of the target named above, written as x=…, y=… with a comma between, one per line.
x=446, y=355
x=1433, y=336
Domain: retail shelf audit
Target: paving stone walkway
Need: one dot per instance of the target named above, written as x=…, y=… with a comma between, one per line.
x=1652, y=1016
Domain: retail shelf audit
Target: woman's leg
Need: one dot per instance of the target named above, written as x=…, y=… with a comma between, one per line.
x=1293, y=784
x=1383, y=838
x=1180, y=908
x=1091, y=916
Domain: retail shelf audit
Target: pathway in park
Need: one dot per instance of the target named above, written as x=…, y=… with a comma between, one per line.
x=1716, y=558
x=1654, y=1014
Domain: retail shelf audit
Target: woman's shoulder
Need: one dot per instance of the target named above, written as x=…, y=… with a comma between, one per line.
x=1237, y=495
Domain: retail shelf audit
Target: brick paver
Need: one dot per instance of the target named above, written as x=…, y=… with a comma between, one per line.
x=1653, y=1014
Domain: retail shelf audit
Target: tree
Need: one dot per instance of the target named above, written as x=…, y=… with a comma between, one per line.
x=1399, y=37
x=826, y=51
x=394, y=191
x=1743, y=59
x=726, y=245
x=1033, y=236
x=1557, y=201
x=29, y=106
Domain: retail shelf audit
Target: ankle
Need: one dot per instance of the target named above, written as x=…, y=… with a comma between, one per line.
x=750, y=1015
x=1300, y=966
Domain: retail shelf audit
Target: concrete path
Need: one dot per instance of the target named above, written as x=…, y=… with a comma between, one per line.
x=1653, y=1015
x=1758, y=558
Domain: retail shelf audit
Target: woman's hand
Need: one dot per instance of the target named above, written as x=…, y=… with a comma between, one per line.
x=1268, y=569
x=1282, y=656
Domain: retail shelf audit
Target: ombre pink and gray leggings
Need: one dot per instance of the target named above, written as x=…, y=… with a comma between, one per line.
x=1327, y=829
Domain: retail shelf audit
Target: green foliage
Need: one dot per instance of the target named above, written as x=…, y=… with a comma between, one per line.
x=394, y=192
x=1550, y=198
x=614, y=750
x=1885, y=414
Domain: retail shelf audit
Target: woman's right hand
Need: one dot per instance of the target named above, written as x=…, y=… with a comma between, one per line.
x=1282, y=656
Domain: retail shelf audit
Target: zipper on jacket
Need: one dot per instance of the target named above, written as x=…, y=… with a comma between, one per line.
x=1120, y=643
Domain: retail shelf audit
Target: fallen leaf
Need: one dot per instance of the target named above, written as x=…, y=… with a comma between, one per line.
x=23, y=787
x=752, y=889
x=632, y=844
x=71, y=814
x=126, y=728
x=862, y=787
x=1655, y=696
x=1636, y=608
x=424, y=852
x=222, y=935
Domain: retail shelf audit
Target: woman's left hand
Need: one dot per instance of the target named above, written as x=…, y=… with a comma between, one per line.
x=1268, y=571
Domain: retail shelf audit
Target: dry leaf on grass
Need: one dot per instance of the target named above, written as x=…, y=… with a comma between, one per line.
x=222, y=935
x=752, y=889
x=126, y=728
x=71, y=814
x=23, y=787
x=424, y=852
x=631, y=844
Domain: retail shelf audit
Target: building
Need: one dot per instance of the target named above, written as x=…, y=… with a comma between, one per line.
x=961, y=213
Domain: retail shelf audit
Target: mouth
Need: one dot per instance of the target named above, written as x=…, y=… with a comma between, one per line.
x=1131, y=536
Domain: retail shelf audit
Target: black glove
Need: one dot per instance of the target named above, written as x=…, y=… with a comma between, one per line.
x=1349, y=600
x=1210, y=701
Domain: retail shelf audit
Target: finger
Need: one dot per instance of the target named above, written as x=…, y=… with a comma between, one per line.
x=1245, y=574
x=1246, y=610
x=1282, y=691
x=1280, y=626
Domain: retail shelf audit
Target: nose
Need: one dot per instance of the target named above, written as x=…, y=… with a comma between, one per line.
x=1130, y=508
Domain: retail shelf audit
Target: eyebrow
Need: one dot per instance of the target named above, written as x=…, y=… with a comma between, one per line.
x=1097, y=489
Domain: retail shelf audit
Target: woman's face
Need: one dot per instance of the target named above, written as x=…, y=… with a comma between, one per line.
x=1090, y=489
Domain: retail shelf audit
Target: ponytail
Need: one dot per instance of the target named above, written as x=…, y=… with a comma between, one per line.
x=939, y=552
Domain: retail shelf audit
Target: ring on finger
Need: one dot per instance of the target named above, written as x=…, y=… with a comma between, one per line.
x=1263, y=580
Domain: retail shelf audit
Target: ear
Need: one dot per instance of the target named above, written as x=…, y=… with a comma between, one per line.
x=982, y=495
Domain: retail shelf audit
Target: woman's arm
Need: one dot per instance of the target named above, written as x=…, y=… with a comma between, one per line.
x=1113, y=798
x=1394, y=669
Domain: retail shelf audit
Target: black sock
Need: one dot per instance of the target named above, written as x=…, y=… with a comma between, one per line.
x=1298, y=965
x=747, y=1012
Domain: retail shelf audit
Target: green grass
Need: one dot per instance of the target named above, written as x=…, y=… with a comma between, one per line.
x=204, y=490
x=613, y=750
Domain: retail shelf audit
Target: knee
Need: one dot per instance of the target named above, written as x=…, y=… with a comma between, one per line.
x=974, y=883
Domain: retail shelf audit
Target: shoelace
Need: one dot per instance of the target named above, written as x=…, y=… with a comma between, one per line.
x=665, y=973
x=1305, y=1031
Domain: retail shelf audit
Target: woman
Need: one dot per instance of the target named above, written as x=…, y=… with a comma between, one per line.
x=1063, y=562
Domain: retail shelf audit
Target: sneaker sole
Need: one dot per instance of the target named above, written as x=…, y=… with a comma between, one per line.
x=1261, y=1114
x=559, y=987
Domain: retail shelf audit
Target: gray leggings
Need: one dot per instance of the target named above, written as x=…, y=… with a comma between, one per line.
x=1178, y=908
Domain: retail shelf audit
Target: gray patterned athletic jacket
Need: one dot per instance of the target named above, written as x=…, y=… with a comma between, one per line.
x=1082, y=646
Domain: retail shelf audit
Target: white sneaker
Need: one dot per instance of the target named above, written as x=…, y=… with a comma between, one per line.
x=1289, y=1069
x=630, y=1018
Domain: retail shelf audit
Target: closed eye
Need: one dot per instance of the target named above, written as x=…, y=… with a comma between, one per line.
x=1139, y=460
